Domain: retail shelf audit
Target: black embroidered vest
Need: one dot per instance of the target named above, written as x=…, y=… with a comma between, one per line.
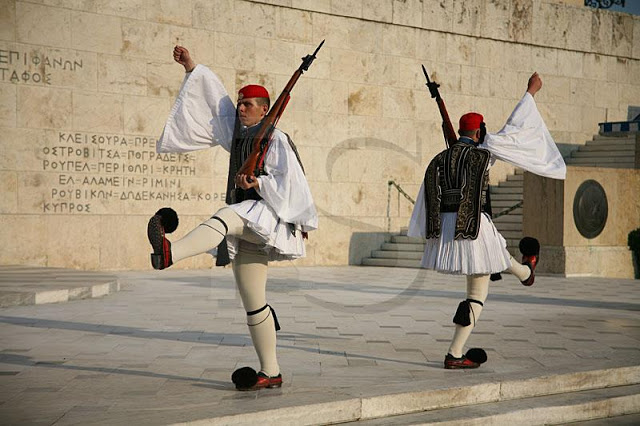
x=457, y=181
x=241, y=147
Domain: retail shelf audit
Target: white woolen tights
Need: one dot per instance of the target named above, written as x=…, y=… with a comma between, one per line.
x=521, y=271
x=250, y=271
x=209, y=234
x=477, y=289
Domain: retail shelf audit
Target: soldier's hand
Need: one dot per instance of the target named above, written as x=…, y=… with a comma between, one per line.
x=534, y=84
x=181, y=55
x=246, y=182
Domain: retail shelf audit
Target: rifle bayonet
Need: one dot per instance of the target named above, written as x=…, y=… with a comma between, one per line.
x=447, y=128
x=307, y=60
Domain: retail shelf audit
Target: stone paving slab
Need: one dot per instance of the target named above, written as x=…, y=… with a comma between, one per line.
x=162, y=349
x=26, y=285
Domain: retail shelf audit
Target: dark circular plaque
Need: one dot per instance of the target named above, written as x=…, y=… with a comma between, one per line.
x=590, y=209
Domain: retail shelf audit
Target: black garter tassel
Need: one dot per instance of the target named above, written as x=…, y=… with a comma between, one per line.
x=463, y=314
x=275, y=318
x=273, y=313
x=222, y=259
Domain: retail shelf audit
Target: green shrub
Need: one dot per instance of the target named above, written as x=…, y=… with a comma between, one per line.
x=633, y=241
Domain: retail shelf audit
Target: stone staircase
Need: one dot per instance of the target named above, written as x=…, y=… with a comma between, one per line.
x=407, y=251
x=504, y=195
x=606, y=151
x=602, y=151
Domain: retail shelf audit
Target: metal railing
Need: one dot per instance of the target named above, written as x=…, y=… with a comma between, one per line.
x=400, y=191
x=394, y=184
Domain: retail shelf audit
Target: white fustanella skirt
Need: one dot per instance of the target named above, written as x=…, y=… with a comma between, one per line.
x=487, y=254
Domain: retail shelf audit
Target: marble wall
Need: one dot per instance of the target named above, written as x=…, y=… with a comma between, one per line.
x=85, y=87
x=565, y=250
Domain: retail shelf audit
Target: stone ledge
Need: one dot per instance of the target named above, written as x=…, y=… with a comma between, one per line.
x=389, y=404
x=27, y=285
x=556, y=409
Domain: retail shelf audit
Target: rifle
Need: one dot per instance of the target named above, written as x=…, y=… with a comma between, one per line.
x=254, y=162
x=447, y=128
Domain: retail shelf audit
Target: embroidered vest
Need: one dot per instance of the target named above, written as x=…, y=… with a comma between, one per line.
x=241, y=148
x=457, y=180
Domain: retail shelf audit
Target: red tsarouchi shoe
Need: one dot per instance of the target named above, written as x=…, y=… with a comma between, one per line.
x=452, y=363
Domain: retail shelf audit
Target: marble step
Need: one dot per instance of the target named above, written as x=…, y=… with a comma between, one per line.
x=549, y=410
x=508, y=226
x=506, y=190
x=599, y=160
x=516, y=212
x=502, y=204
x=629, y=136
x=403, y=239
x=602, y=154
x=402, y=247
x=406, y=255
x=605, y=165
x=592, y=147
x=512, y=234
x=509, y=184
x=34, y=285
x=402, y=263
x=512, y=242
x=509, y=218
x=603, y=140
x=580, y=162
x=506, y=197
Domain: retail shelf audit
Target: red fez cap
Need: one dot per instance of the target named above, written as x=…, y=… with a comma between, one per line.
x=471, y=121
x=252, y=91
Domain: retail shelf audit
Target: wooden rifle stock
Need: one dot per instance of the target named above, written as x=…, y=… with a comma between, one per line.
x=253, y=163
x=447, y=128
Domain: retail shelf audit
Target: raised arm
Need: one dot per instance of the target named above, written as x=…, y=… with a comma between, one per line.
x=525, y=141
x=182, y=56
x=534, y=84
x=203, y=114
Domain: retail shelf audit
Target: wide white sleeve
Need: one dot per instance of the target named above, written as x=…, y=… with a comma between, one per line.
x=525, y=142
x=285, y=188
x=202, y=116
x=418, y=222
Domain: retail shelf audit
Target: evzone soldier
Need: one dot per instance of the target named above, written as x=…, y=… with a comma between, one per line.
x=449, y=210
x=267, y=216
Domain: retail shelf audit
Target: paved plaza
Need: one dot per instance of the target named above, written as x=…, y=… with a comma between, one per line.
x=162, y=349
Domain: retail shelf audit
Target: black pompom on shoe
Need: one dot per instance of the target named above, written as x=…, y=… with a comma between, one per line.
x=530, y=249
x=529, y=246
x=169, y=219
x=244, y=378
x=476, y=355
